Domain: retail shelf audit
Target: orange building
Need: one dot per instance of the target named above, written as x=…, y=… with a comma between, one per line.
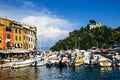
x=8, y=37
x=6, y=34
x=1, y=36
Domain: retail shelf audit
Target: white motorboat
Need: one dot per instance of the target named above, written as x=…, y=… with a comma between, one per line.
x=5, y=65
x=39, y=63
x=24, y=63
x=105, y=62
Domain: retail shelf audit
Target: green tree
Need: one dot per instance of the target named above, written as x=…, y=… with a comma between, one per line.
x=92, y=21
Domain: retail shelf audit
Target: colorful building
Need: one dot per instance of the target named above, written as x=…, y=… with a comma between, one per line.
x=18, y=36
x=15, y=36
x=1, y=36
x=6, y=34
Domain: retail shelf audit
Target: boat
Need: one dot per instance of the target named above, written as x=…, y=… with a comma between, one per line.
x=104, y=62
x=79, y=62
x=90, y=62
x=89, y=59
x=24, y=63
x=39, y=63
x=118, y=64
x=5, y=65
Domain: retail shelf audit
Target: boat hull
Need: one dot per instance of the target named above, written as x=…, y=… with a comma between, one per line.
x=22, y=64
x=103, y=64
x=39, y=63
x=5, y=65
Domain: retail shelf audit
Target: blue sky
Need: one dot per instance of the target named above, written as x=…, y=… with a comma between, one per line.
x=56, y=18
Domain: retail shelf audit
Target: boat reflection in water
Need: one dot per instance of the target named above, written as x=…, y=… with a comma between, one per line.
x=105, y=68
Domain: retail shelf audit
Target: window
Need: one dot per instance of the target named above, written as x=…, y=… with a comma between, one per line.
x=29, y=38
x=8, y=29
x=20, y=38
x=8, y=36
x=16, y=38
x=19, y=31
x=15, y=30
x=29, y=45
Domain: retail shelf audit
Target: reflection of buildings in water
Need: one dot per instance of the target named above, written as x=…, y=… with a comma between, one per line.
x=105, y=68
x=26, y=73
x=4, y=73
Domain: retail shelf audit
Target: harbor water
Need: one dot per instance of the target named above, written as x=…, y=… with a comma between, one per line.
x=66, y=73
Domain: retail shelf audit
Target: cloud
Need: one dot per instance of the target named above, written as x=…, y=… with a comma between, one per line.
x=50, y=27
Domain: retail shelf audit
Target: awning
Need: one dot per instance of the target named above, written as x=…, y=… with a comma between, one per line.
x=14, y=51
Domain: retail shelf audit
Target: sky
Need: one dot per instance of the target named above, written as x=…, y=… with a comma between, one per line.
x=54, y=19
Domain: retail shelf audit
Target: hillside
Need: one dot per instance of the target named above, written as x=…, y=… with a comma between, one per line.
x=87, y=37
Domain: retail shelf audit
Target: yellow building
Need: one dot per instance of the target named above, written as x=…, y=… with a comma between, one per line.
x=25, y=39
x=5, y=21
x=20, y=36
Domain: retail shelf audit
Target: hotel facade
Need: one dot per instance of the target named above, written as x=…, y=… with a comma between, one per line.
x=17, y=37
